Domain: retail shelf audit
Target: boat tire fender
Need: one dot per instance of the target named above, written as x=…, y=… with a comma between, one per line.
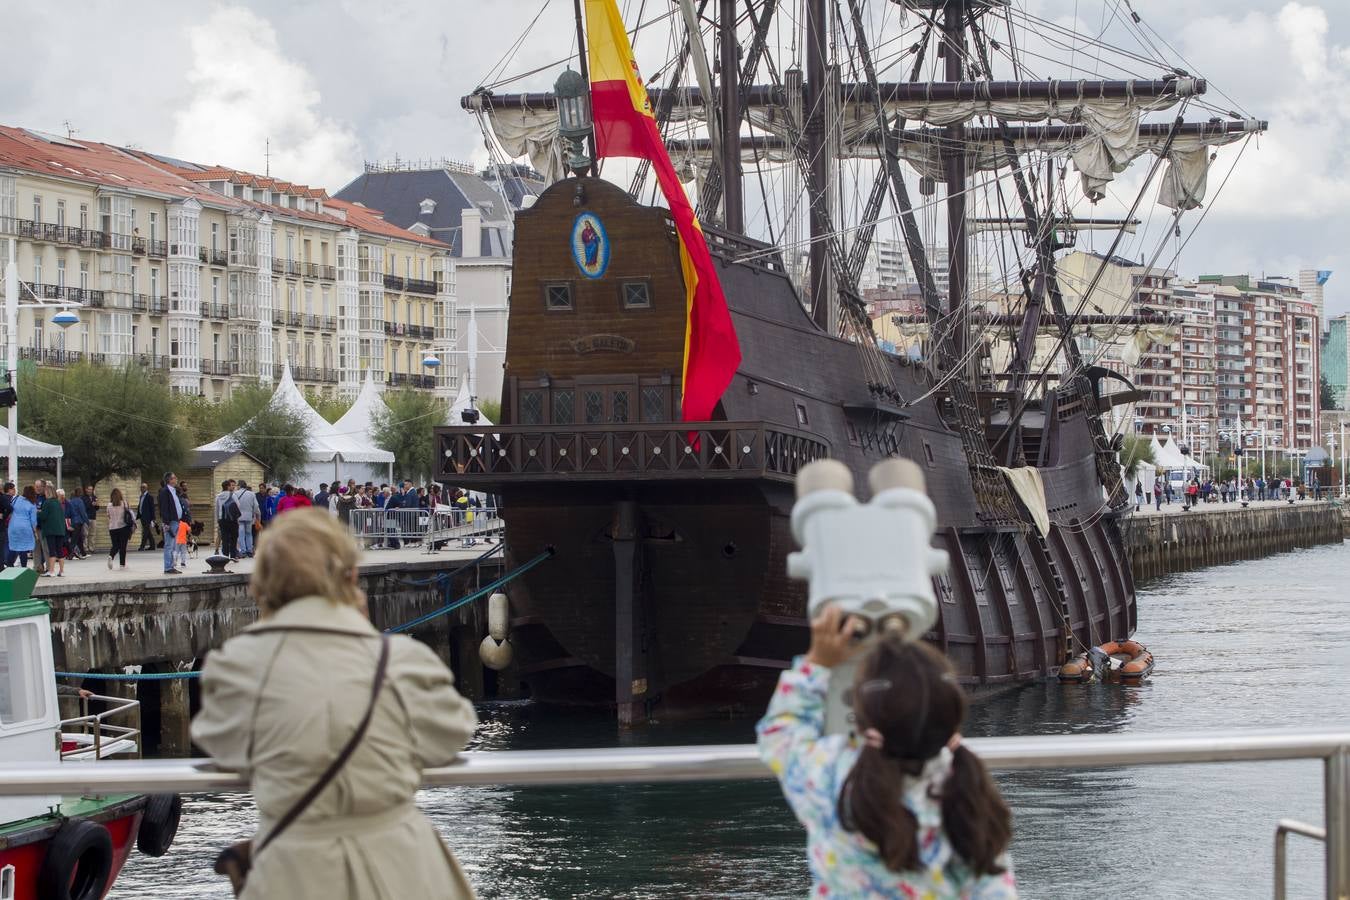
x=78, y=862
x=159, y=824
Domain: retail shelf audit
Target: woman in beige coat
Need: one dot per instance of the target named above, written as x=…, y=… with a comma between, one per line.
x=279, y=705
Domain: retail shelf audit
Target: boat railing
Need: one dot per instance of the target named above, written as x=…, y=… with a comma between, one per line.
x=496, y=454
x=92, y=736
x=741, y=762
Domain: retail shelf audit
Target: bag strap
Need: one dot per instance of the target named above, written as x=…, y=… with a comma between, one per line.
x=345, y=754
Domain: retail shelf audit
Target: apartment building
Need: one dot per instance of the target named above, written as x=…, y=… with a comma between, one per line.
x=884, y=267
x=472, y=212
x=1312, y=282
x=215, y=276
x=1267, y=345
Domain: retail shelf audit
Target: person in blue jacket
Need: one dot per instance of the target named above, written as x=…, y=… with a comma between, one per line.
x=77, y=515
x=22, y=527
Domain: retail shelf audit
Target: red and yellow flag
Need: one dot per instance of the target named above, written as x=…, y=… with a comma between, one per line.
x=625, y=126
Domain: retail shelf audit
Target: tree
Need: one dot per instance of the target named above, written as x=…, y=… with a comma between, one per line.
x=492, y=409
x=1136, y=452
x=406, y=431
x=331, y=408
x=277, y=438
x=110, y=421
x=1326, y=396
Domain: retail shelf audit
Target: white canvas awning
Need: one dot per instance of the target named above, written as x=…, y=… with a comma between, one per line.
x=462, y=402
x=30, y=448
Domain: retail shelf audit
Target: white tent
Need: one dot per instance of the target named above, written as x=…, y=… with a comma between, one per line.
x=462, y=402
x=1167, y=456
x=30, y=448
x=356, y=421
x=332, y=455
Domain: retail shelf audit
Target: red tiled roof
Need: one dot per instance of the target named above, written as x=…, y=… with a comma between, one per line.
x=104, y=164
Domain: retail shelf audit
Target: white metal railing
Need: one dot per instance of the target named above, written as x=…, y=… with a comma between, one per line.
x=741, y=762
x=429, y=528
x=92, y=736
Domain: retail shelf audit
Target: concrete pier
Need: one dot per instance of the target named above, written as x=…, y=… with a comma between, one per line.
x=1160, y=543
x=103, y=621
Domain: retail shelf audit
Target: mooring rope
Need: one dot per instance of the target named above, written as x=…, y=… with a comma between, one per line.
x=413, y=623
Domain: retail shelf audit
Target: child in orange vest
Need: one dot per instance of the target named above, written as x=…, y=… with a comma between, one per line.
x=181, y=552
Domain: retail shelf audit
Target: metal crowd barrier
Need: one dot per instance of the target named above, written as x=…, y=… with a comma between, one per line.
x=430, y=529
x=741, y=762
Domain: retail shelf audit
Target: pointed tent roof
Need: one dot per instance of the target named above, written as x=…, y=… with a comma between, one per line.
x=325, y=443
x=357, y=420
x=462, y=402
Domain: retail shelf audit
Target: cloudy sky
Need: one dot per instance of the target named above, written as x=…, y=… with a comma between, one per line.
x=333, y=83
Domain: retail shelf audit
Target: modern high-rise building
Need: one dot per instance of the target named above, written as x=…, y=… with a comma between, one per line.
x=1312, y=282
x=213, y=275
x=1336, y=359
x=1266, y=337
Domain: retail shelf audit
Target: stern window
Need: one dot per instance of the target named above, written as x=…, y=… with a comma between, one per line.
x=558, y=296
x=562, y=407
x=636, y=295
x=531, y=407
x=801, y=414
x=22, y=687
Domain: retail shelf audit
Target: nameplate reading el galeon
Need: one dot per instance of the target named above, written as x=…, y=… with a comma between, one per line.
x=596, y=343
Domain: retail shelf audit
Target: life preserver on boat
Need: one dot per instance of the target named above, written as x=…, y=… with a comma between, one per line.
x=78, y=862
x=159, y=824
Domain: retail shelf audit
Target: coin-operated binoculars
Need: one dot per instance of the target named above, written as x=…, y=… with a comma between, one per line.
x=873, y=560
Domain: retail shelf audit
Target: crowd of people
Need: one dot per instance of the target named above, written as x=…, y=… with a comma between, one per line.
x=42, y=525
x=1230, y=490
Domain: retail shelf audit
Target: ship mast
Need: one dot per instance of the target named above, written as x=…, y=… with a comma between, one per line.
x=821, y=291
x=733, y=209
x=954, y=51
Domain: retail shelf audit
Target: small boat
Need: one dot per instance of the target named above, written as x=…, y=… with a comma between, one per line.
x=1115, y=662
x=56, y=847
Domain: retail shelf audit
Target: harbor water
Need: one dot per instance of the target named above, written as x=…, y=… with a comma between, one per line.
x=1263, y=643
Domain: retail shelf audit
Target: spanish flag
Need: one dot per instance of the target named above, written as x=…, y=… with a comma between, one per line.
x=625, y=126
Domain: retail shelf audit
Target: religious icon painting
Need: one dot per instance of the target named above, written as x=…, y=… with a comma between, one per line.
x=590, y=245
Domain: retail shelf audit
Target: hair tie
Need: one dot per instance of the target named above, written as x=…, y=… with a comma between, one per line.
x=872, y=738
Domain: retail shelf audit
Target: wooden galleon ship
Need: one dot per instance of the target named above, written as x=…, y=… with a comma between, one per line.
x=668, y=589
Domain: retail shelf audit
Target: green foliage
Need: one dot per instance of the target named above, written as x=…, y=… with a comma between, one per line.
x=1137, y=451
x=407, y=431
x=111, y=421
x=331, y=408
x=277, y=438
x=492, y=409
x=1326, y=397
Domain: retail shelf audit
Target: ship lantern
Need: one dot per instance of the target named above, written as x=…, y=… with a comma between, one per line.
x=574, y=117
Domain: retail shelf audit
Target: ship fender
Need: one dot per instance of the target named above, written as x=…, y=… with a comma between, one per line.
x=159, y=824
x=78, y=862
x=499, y=613
x=495, y=654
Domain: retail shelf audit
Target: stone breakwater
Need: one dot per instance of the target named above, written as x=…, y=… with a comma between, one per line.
x=1160, y=544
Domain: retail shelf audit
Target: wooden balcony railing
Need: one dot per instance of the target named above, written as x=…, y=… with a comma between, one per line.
x=496, y=455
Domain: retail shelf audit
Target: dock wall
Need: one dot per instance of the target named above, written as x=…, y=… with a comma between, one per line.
x=167, y=625
x=1160, y=544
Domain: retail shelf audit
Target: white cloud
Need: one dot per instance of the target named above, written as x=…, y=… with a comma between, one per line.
x=244, y=93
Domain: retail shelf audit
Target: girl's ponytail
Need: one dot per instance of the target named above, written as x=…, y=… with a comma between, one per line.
x=871, y=803
x=974, y=814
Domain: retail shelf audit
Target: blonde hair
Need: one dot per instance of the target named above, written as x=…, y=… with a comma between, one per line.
x=304, y=553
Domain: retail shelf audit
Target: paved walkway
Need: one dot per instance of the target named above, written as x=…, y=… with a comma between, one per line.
x=149, y=565
x=1177, y=507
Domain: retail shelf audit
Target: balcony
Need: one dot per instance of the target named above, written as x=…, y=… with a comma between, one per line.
x=151, y=361
x=83, y=296
x=61, y=234
x=328, y=323
x=147, y=247
x=293, y=319
x=220, y=311
x=278, y=266
x=292, y=267
x=202, y=255
x=215, y=368
x=278, y=317
x=159, y=306
x=326, y=273
x=307, y=373
x=498, y=455
x=420, y=286
x=330, y=376
x=393, y=283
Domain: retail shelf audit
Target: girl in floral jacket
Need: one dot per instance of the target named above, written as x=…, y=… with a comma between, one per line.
x=900, y=808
